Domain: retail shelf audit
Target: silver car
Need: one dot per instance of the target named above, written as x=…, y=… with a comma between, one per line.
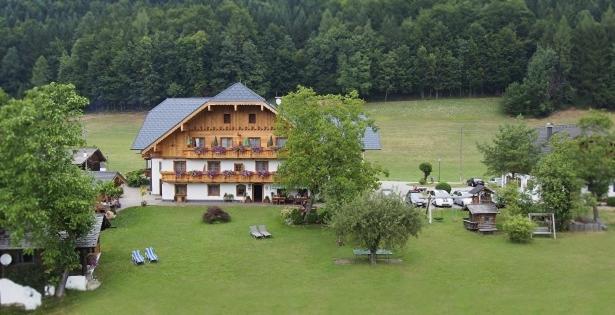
x=461, y=197
x=416, y=199
x=441, y=198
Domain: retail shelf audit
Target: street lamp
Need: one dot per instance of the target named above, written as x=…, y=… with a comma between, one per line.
x=439, y=160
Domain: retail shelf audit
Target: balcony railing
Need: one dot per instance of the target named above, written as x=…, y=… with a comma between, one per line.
x=221, y=177
x=230, y=153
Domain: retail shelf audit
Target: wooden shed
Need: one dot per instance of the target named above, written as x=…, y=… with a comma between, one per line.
x=481, y=217
x=481, y=194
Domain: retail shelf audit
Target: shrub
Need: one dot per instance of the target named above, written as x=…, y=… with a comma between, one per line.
x=285, y=214
x=426, y=168
x=519, y=229
x=311, y=217
x=422, y=181
x=296, y=216
x=215, y=214
x=324, y=216
x=137, y=178
x=610, y=201
x=444, y=186
x=32, y=275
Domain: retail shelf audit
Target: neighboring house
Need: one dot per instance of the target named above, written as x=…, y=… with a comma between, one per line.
x=204, y=148
x=544, y=136
x=88, y=246
x=109, y=176
x=89, y=159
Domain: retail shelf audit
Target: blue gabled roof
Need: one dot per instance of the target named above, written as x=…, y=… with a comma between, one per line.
x=371, y=139
x=238, y=92
x=163, y=117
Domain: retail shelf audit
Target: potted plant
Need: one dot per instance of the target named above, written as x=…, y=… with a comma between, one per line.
x=263, y=174
x=143, y=191
x=229, y=197
x=228, y=173
x=246, y=173
x=212, y=174
x=256, y=149
x=219, y=149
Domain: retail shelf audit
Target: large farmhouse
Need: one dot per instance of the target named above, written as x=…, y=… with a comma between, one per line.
x=199, y=149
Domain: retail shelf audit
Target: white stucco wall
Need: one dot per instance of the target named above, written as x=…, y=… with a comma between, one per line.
x=168, y=191
x=156, y=176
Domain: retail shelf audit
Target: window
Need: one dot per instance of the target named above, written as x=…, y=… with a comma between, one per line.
x=213, y=190
x=241, y=190
x=251, y=118
x=255, y=142
x=180, y=190
x=213, y=166
x=280, y=142
x=198, y=142
x=179, y=166
x=27, y=258
x=238, y=167
x=226, y=142
x=227, y=118
x=262, y=166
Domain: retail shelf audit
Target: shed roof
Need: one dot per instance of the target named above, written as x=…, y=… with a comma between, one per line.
x=482, y=208
x=542, y=141
x=106, y=176
x=80, y=155
x=478, y=189
x=88, y=240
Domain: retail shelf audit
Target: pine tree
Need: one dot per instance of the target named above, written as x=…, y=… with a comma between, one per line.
x=40, y=72
x=10, y=72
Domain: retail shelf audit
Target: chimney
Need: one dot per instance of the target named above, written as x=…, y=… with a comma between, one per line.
x=549, y=130
x=278, y=100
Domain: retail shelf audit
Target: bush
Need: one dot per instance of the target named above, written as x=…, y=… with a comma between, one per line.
x=426, y=168
x=296, y=216
x=519, y=229
x=444, y=186
x=137, y=178
x=422, y=181
x=610, y=201
x=324, y=216
x=215, y=214
x=312, y=217
x=32, y=275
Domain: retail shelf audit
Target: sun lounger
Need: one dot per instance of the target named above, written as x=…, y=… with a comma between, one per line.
x=263, y=230
x=137, y=258
x=151, y=256
x=255, y=233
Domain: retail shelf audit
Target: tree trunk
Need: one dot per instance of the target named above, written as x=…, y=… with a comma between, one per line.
x=62, y=284
x=372, y=256
x=596, y=214
x=386, y=94
x=309, y=204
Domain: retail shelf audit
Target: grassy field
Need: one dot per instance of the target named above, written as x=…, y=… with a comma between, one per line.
x=411, y=132
x=219, y=269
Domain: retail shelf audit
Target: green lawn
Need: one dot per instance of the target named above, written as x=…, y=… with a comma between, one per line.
x=219, y=269
x=416, y=131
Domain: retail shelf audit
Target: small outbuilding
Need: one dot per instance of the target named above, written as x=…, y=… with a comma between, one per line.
x=109, y=176
x=89, y=159
x=481, y=218
x=481, y=194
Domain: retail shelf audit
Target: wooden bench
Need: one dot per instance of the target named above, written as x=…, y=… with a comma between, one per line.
x=470, y=225
x=486, y=228
x=365, y=252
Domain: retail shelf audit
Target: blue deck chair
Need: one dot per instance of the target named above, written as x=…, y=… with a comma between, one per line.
x=151, y=256
x=137, y=258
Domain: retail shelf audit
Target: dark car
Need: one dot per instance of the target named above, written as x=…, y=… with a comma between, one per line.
x=415, y=198
x=475, y=182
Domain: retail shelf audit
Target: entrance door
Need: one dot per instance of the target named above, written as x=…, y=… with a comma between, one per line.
x=257, y=193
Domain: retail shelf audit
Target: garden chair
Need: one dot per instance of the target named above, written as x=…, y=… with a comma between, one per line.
x=151, y=256
x=137, y=258
x=255, y=233
x=263, y=230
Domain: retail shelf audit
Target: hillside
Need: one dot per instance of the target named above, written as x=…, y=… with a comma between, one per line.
x=412, y=132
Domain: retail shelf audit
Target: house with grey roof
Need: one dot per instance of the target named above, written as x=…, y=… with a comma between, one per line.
x=88, y=158
x=216, y=148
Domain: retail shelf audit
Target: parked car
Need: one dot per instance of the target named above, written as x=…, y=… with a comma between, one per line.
x=461, y=197
x=416, y=199
x=475, y=182
x=497, y=181
x=441, y=198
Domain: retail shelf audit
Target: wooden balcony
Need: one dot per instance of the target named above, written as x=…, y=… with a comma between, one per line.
x=208, y=153
x=189, y=177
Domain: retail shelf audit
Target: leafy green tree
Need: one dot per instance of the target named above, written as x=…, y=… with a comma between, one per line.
x=375, y=221
x=4, y=98
x=354, y=73
x=40, y=72
x=426, y=168
x=57, y=210
x=323, y=152
x=594, y=153
x=512, y=150
x=558, y=184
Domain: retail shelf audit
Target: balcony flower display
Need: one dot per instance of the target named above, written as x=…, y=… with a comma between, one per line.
x=200, y=150
x=240, y=149
x=256, y=149
x=212, y=174
x=219, y=149
x=196, y=173
x=228, y=173
x=263, y=174
x=246, y=173
x=179, y=173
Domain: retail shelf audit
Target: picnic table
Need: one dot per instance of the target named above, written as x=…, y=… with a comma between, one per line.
x=365, y=252
x=279, y=200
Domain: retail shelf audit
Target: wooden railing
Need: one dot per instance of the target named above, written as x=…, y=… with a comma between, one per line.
x=189, y=177
x=208, y=153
